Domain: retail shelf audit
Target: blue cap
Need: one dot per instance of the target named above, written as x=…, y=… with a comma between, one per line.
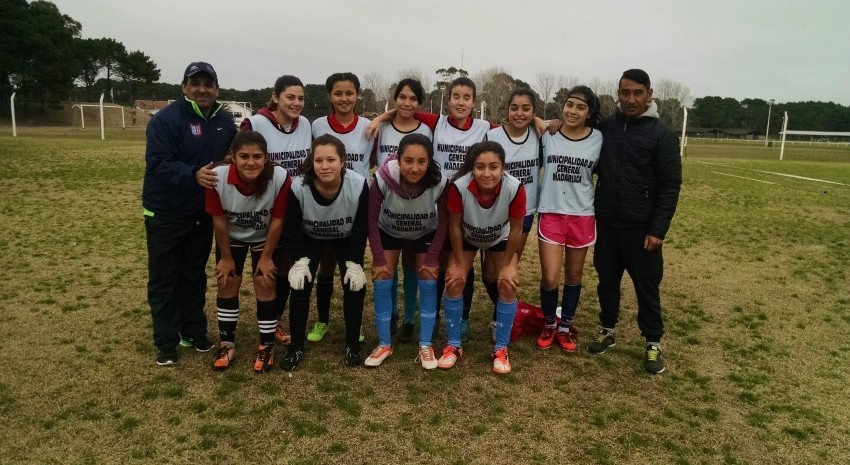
x=200, y=67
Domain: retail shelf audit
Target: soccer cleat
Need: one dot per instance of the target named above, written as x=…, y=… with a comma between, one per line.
x=544, y=341
x=464, y=330
x=292, y=357
x=451, y=355
x=166, y=358
x=378, y=356
x=318, y=332
x=427, y=358
x=566, y=341
x=406, y=333
x=362, y=337
x=224, y=356
x=653, y=361
x=281, y=336
x=604, y=341
x=352, y=356
x=265, y=359
x=501, y=365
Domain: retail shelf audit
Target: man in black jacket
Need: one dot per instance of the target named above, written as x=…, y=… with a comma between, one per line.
x=183, y=139
x=640, y=174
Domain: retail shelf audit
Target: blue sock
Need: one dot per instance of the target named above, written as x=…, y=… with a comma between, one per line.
x=427, y=310
x=383, y=311
x=411, y=284
x=452, y=311
x=548, y=302
x=504, y=322
x=394, y=293
x=569, y=304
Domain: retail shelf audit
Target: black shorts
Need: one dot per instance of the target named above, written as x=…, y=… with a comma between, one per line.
x=499, y=247
x=239, y=251
x=527, y=222
x=417, y=245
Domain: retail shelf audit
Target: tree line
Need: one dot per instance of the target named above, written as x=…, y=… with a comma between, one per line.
x=45, y=61
x=42, y=57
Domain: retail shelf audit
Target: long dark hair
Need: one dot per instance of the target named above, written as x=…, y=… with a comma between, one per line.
x=586, y=93
x=308, y=170
x=243, y=138
x=474, y=152
x=280, y=85
x=433, y=175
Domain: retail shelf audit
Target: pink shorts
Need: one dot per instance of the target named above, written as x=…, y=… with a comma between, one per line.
x=575, y=232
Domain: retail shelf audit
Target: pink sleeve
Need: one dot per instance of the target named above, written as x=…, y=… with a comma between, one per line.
x=432, y=257
x=376, y=199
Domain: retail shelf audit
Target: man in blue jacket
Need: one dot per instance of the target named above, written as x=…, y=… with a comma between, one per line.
x=184, y=139
x=640, y=174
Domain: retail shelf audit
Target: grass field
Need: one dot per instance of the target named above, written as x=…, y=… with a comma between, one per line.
x=756, y=300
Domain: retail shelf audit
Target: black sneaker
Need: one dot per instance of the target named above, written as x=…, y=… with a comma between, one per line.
x=201, y=344
x=604, y=341
x=406, y=333
x=653, y=361
x=166, y=358
x=352, y=356
x=293, y=356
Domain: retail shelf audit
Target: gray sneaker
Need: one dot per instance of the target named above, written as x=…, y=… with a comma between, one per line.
x=653, y=360
x=604, y=341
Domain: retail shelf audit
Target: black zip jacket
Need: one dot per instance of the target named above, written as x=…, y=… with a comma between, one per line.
x=639, y=173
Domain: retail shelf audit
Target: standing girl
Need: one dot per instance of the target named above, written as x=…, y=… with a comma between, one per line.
x=522, y=161
x=247, y=205
x=567, y=225
x=345, y=125
x=408, y=95
x=327, y=209
x=288, y=135
x=407, y=209
x=486, y=209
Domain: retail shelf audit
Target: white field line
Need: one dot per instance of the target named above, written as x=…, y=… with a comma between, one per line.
x=742, y=177
x=794, y=176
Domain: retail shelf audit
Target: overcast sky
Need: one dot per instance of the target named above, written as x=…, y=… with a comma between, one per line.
x=782, y=50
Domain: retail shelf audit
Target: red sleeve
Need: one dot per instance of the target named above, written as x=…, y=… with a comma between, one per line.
x=517, y=209
x=213, y=203
x=279, y=207
x=428, y=119
x=246, y=125
x=455, y=202
x=494, y=125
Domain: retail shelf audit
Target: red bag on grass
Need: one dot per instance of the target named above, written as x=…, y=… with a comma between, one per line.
x=530, y=319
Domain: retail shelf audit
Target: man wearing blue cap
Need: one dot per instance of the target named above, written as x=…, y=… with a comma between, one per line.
x=637, y=190
x=184, y=139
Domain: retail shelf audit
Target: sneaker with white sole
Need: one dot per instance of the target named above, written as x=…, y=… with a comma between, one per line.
x=501, y=365
x=377, y=357
x=427, y=358
x=451, y=355
x=653, y=361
